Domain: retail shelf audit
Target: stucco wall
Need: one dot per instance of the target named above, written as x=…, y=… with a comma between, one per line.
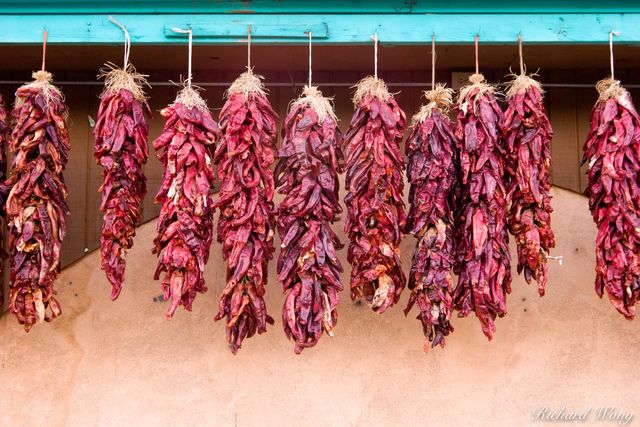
x=122, y=363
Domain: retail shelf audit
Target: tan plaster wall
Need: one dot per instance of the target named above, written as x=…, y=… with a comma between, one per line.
x=123, y=363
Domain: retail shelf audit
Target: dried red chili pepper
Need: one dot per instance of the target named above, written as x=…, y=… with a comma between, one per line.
x=307, y=175
x=483, y=260
x=246, y=224
x=4, y=133
x=612, y=149
x=433, y=175
x=527, y=133
x=120, y=135
x=374, y=202
x=36, y=206
x=185, y=224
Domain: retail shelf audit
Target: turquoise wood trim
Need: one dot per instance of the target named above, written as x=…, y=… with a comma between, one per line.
x=332, y=29
x=310, y=6
x=209, y=6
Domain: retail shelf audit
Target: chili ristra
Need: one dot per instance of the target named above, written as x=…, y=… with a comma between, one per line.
x=4, y=135
x=120, y=135
x=185, y=223
x=527, y=133
x=36, y=206
x=433, y=175
x=374, y=184
x=483, y=260
x=247, y=221
x=307, y=176
x=612, y=151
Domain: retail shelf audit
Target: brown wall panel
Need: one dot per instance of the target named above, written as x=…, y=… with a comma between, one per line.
x=564, y=147
x=159, y=98
x=94, y=180
x=585, y=98
x=75, y=176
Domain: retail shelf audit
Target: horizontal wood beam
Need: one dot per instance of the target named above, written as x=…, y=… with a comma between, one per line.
x=496, y=28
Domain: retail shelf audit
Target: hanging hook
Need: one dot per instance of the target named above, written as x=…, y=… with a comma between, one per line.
x=375, y=54
x=249, y=48
x=520, y=53
x=190, y=33
x=475, y=42
x=611, y=34
x=309, y=33
x=127, y=40
x=44, y=47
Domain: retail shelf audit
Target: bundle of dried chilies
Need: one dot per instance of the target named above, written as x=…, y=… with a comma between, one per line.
x=612, y=150
x=120, y=135
x=4, y=134
x=185, y=224
x=483, y=260
x=527, y=135
x=374, y=186
x=246, y=224
x=307, y=175
x=36, y=206
x=433, y=176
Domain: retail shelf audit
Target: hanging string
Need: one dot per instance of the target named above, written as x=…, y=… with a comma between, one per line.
x=309, y=58
x=190, y=33
x=249, y=48
x=44, y=47
x=520, y=53
x=190, y=54
x=375, y=54
x=611, y=34
x=127, y=40
x=433, y=61
x=475, y=41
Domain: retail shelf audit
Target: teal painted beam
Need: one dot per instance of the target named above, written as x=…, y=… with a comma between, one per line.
x=331, y=28
x=207, y=6
x=325, y=6
x=515, y=6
